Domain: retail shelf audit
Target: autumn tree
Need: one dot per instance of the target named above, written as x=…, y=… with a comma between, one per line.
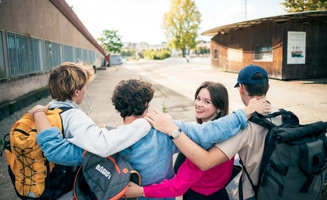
x=111, y=41
x=292, y=6
x=181, y=25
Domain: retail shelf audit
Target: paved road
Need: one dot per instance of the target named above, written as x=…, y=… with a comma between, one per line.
x=175, y=82
x=308, y=99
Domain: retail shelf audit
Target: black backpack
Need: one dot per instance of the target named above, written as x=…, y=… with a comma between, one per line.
x=294, y=159
x=104, y=178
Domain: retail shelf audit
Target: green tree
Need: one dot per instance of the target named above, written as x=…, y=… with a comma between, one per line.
x=181, y=24
x=111, y=41
x=202, y=50
x=292, y=6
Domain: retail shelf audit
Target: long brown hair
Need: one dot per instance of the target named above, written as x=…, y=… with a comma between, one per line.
x=219, y=97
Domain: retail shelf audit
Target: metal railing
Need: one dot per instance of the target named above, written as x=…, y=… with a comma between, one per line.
x=87, y=103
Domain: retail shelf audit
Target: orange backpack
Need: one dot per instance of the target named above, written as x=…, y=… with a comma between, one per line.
x=32, y=175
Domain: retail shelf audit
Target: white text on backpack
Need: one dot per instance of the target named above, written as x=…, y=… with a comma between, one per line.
x=103, y=171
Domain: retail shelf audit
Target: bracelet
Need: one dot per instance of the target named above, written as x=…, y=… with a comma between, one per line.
x=38, y=110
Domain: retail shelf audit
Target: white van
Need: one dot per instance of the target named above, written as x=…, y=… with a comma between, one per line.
x=115, y=59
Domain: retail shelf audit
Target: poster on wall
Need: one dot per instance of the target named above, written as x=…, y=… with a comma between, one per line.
x=296, y=47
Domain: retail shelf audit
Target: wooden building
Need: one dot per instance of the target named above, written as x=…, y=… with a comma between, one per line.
x=292, y=46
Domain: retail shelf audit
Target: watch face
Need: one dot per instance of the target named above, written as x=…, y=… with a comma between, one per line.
x=175, y=133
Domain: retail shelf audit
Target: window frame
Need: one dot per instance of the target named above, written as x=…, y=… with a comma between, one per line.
x=4, y=74
x=215, y=54
x=263, y=52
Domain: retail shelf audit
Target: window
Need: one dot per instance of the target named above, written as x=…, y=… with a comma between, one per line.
x=68, y=54
x=3, y=73
x=78, y=54
x=12, y=56
x=56, y=55
x=27, y=55
x=263, y=53
x=215, y=54
x=24, y=54
x=18, y=54
x=84, y=52
x=52, y=55
x=89, y=56
x=37, y=55
x=48, y=55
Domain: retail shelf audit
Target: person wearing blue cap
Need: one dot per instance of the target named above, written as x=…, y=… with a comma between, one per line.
x=252, y=82
x=152, y=161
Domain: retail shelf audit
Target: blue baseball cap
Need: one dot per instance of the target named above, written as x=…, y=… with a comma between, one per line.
x=245, y=75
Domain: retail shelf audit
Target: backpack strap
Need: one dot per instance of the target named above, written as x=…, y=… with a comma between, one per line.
x=287, y=117
x=270, y=141
x=260, y=119
x=63, y=109
x=240, y=184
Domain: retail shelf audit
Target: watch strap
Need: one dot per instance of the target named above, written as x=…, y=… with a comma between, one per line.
x=171, y=136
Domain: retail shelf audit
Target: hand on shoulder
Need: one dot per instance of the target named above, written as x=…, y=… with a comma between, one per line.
x=255, y=105
x=161, y=121
x=38, y=108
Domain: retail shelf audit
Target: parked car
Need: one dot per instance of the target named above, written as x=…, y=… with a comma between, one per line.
x=115, y=59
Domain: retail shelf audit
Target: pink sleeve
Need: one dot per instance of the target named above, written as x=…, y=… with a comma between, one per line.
x=187, y=175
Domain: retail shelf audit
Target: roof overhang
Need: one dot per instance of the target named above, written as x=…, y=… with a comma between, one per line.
x=304, y=17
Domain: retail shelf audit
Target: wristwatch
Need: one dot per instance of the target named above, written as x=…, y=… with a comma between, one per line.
x=175, y=134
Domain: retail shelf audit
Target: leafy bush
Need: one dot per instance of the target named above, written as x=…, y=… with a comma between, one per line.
x=158, y=54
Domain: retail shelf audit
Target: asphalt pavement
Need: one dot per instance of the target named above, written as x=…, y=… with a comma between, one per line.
x=175, y=82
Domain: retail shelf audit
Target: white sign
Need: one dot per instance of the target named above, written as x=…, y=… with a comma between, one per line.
x=234, y=55
x=296, y=47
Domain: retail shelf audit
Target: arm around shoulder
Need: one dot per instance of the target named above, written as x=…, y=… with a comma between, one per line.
x=57, y=149
x=103, y=142
x=212, y=132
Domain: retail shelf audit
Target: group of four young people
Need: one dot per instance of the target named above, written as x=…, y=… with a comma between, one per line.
x=150, y=151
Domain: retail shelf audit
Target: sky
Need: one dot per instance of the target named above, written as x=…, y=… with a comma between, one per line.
x=141, y=20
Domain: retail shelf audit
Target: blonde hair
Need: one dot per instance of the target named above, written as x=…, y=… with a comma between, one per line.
x=68, y=77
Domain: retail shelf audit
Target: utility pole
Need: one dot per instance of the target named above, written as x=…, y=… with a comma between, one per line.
x=245, y=10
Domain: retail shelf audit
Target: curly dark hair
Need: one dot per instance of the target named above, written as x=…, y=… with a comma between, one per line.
x=132, y=97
